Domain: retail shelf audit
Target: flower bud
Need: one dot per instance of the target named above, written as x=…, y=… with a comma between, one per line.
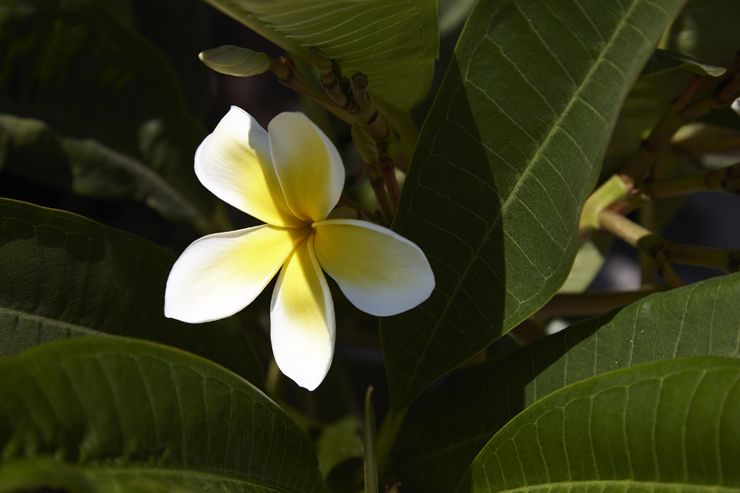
x=365, y=144
x=322, y=64
x=232, y=60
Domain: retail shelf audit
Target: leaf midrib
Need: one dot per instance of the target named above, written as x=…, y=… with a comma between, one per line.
x=514, y=193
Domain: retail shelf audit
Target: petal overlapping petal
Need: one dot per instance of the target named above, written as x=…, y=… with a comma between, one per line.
x=219, y=274
x=234, y=163
x=308, y=166
x=379, y=271
x=302, y=326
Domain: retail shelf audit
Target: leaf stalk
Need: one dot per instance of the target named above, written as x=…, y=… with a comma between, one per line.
x=387, y=437
x=664, y=252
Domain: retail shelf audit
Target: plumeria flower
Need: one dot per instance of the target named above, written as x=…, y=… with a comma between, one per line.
x=290, y=177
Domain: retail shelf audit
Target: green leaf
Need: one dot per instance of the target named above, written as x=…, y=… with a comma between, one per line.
x=663, y=61
x=78, y=85
x=394, y=43
x=508, y=154
x=120, y=410
x=699, y=320
x=67, y=276
x=665, y=426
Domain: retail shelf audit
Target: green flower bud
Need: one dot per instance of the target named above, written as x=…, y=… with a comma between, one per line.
x=366, y=145
x=232, y=60
x=322, y=64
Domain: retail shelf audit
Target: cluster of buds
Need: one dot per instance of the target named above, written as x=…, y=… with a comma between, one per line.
x=346, y=98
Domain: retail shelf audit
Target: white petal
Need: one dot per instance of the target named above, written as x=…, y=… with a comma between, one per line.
x=234, y=164
x=308, y=166
x=380, y=272
x=220, y=274
x=302, y=323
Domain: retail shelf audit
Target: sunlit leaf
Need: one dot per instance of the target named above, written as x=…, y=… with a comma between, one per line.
x=509, y=152
x=441, y=440
x=665, y=426
x=66, y=276
x=121, y=410
x=393, y=42
x=83, y=89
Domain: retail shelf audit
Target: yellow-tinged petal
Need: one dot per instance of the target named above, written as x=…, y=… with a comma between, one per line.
x=219, y=274
x=302, y=323
x=234, y=163
x=380, y=272
x=308, y=166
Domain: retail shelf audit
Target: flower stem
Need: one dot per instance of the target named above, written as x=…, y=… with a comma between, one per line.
x=382, y=195
x=646, y=216
x=610, y=192
x=663, y=252
x=318, y=95
x=391, y=182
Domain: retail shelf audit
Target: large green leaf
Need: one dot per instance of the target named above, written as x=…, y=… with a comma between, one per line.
x=394, y=43
x=81, y=88
x=659, y=427
x=440, y=441
x=509, y=152
x=66, y=276
x=120, y=410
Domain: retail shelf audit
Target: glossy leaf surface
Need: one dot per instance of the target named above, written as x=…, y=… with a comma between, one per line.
x=509, y=152
x=439, y=443
x=66, y=276
x=121, y=410
x=80, y=89
x=393, y=42
x=656, y=427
